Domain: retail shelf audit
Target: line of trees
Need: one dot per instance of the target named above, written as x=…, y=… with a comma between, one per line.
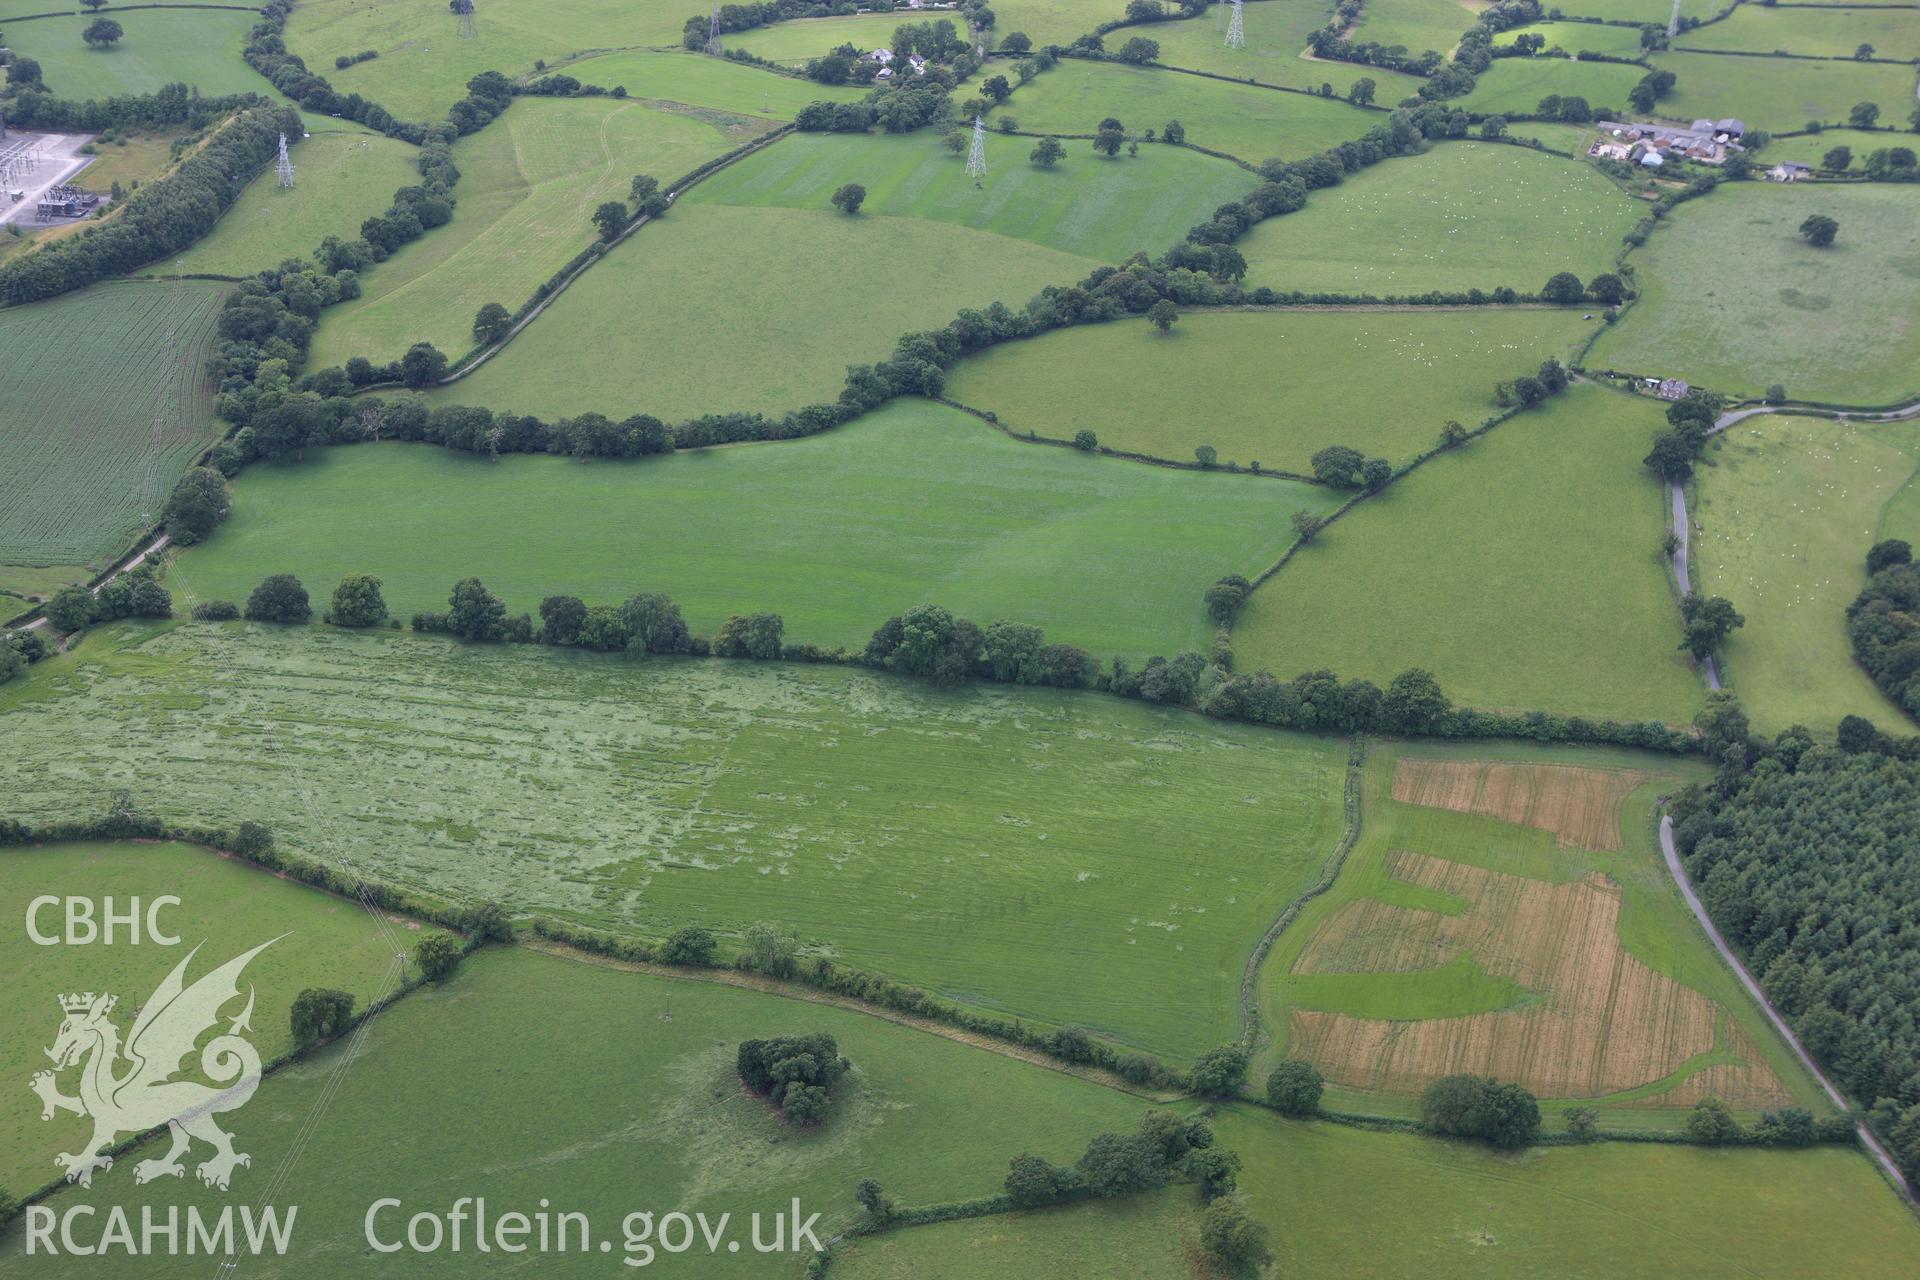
x=1883, y=624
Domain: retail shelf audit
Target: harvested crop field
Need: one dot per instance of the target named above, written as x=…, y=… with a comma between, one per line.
x=1602, y=1021
x=1581, y=806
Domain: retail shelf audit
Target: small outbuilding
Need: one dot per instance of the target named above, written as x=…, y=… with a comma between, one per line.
x=1789, y=171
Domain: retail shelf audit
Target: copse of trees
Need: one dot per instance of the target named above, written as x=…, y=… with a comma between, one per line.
x=358, y=602
x=1883, y=624
x=197, y=505
x=1808, y=857
x=134, y=594
x=320, y=1013
x=1470, y=1106
x=795, y=1073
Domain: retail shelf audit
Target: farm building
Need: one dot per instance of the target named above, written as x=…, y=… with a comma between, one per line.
x=1789, y=171
x=1669, y=388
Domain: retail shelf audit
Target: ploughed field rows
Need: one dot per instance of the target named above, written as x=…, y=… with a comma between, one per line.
x=528, y=1078
x=1834, y=324
x=226, y=907
x=1277, y=386
x=1465, y=215
x=529, y=185
x=1505, y=914
x=914, y=502
x=107, y=400
x=1048, y=855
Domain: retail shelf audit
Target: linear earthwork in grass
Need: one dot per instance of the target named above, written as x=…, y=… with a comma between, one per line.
x=226, y=907
x=529, y=185
x=1576, y=37
x=1780, y=94
x=1465, y=215
x=1379, y=1206
x=1894, y=32
x=341, y=179
x=695, y=80
x=1516, y=85
x=1086, y=204
x=1783, y=516
x=198, y=47
x=1276, y=32
x=424, y=65
x=604, y=1092
x=1059, y=857
x=1251, y=123
x=1833, y=324
x=1522, y=569
x=1267, y=386
x=914, y=502
x=1505, y=914
x=717, y=309
x=107, y=402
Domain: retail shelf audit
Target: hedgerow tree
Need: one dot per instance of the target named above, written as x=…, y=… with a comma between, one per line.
x=1338, y=465
x=1232, y=1238
x=422, y=365
x=690, y=945
x=1217, y=1073
x=198, y=503
x=1032, y=1182
x=1711, y=1123
x=560, y=619
x=1175, y=132
x=1295, y=1086
x=1709, y=622
x=357, y=602
x=475, y=613
x=491, y=322
x=437, y=955
x=653, y=624
x=320, y=1013
x=773, y=950
x=1563, y=287
x=752, y=635
x=1470, y=1106
x=1109, y=137
x=610, y=218
x=1139, y=50
x=1162, y=315
x=1047, y=152
x=1225, y=597
x=279, y=598
x=1085, y=440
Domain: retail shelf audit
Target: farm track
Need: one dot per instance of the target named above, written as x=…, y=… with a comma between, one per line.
x=1685, y=885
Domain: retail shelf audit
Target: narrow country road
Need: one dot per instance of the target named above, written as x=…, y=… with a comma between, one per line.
x=1677, y=493
x=1867, y=1140
x=134, y=563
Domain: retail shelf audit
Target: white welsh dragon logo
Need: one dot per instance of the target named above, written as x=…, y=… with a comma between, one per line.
x=145, y=1095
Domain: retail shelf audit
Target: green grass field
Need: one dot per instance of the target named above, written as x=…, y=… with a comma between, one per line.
x=920, y=502
x=802, y=40
x=1523, y=570
x=1824, y=33
x=136, y=157
x=1418, y=25
x=532, y=1078
x=1517, y=85
x=107, y=403
x=1342, y=1202
x=424, y=66
x=695, y=346
x=1574, y=37
x=1152, y=1236
x=340, y=180
x=1783, y=519
x=226, y=907
x=529, y=186
x=713, y=83
x=1833, y=324
x=1576, y=969
x=1053, y=856
x=1466, y=215
x=198, y=47
x=1809, y=148
x=1644, y=12
x=1253, y=124
x=1276, y=37
x=1087, y=204
x=1780, y=94
x=1381, y=381
x=1062, y=21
